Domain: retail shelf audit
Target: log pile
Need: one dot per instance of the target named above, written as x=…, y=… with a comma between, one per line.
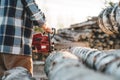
x=99, y=60
x=90, y=32
x=109, y=19
x=77, y=32
x=102, y=32
x=63, y=65
x=102, y=41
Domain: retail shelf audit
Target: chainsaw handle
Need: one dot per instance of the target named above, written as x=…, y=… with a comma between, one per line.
x=54, y=32
x=50, y=37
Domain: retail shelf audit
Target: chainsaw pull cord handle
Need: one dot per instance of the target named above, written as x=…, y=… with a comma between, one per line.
x=50, y=37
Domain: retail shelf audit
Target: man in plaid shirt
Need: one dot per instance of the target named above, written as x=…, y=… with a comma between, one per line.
x=17, y=18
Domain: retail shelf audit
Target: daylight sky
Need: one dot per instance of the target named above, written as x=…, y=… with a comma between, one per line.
x=67, y=12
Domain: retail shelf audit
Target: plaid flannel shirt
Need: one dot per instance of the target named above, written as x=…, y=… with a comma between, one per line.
x=17, y=18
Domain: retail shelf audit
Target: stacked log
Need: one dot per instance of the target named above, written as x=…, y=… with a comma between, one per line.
x=108, y=63
x=102, y=41
x=70, y=35
x=90, y=32
x=109, y=19
x=63, y=65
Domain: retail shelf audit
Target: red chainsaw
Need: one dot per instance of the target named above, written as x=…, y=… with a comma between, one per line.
x=42, y=45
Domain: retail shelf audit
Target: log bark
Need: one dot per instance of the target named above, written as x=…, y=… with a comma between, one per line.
x=99, y=60
x=63, y=65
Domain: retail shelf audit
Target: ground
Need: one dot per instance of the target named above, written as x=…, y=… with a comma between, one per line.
x=38, y=70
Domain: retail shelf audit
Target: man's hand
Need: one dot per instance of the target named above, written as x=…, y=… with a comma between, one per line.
x=47, y=29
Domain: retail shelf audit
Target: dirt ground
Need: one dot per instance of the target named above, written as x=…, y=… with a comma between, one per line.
x=38, y=71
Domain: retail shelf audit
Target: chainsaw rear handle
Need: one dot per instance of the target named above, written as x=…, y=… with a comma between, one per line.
x=50, y=37
x=54, y=32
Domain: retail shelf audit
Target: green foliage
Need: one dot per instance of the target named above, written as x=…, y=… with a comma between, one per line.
x=109, y=3
x=38, y=29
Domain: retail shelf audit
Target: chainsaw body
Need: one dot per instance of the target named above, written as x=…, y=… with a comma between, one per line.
x=42, y=45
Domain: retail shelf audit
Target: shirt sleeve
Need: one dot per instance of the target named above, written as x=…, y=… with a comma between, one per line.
x=36, y=15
